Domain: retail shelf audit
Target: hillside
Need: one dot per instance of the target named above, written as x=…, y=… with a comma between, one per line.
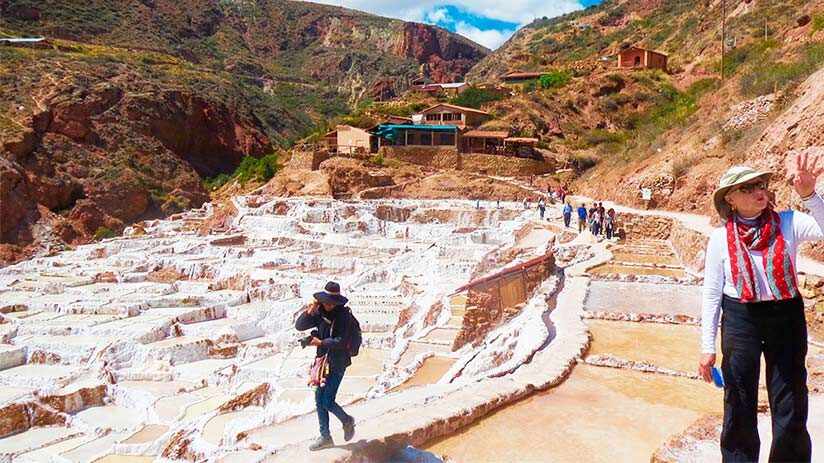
x=128, y=106
x=279, y=42
x=674, y=131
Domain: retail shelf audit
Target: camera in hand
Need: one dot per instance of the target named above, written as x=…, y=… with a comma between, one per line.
x=308, y=339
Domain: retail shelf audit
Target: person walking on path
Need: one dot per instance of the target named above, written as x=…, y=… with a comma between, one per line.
x=541, y=207
x=610, y=223
x=750, y=280
x=526, y=203
x=582, y=217
x=602, y=212
x=332, y=321
x=595, y=222
x=567, y=214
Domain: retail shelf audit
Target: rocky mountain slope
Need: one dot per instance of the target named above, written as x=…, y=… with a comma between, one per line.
x=674, y=131
x=125, y=109
x=279, y=42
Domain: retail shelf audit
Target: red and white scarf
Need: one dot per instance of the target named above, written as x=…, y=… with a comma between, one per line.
x=764, y=236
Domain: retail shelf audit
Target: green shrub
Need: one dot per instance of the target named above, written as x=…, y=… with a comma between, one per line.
x=599, y=136
x=555, y=79
x=748, y=53
x=102, y=233
x=261, y=169
x=818, y=22
x=250, y=168
x=474, y=97
x=216, y=183
x=681, y=165
x=583, y=161
x=377, y=159
x=768, y=76
x=358, y=120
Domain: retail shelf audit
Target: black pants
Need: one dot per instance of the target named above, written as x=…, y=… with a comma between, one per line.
x=777, y=329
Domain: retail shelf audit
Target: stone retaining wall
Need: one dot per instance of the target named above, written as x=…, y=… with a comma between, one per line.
x=492, y=164
x=485, y=310
x=690, y=246
x=431, y=157
x=308, y=160
x=504, y=165
x=643, y=226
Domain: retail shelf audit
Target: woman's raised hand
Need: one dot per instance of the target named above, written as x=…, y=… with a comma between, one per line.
x=806, y=173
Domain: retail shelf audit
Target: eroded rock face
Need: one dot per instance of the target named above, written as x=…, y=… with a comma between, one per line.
x=347, y=176
x=444, y=56
x=108, y=154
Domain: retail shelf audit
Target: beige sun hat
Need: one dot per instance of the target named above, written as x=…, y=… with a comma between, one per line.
x=734, y=176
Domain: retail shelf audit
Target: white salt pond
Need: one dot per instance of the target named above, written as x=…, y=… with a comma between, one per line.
x=634, y=297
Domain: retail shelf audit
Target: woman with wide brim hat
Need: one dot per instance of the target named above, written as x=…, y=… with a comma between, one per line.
x=750, y=281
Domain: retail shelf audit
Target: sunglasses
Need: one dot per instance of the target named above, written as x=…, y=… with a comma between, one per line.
x=748, y=188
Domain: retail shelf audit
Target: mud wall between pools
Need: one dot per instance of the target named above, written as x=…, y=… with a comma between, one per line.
x=492, y=303
x=690, y=246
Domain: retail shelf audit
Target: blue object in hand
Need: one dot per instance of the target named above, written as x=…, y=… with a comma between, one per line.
x=717, y=377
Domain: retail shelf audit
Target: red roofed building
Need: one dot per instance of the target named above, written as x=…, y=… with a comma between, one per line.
x=636, y=57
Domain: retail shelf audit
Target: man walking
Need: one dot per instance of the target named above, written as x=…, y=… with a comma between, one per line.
x=541, y=207
x=582, y=217
x=567, y=214
x=331, y=319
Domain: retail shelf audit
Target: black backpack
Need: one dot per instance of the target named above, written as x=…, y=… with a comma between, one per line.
x=354, y=337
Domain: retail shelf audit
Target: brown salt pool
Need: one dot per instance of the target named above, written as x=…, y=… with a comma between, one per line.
x=645, y=259
x=597, y=414
x=669, y=346
x=430, y=372
x=607, y=269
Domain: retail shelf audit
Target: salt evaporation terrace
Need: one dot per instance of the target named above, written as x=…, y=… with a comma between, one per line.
x=168, y=344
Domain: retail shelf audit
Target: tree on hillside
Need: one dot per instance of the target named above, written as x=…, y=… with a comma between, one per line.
x=474, y=97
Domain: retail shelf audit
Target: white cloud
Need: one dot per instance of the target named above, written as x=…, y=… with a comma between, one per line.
x=490, y=38
x=519, y=12
x=439, y=16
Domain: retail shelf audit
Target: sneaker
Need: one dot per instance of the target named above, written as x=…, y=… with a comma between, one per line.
x=349, y=430
x=322, y=443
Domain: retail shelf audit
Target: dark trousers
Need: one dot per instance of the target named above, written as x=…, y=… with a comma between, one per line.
x=325, y=402
x=609, y=231
x=777, y=329
x=567, y=217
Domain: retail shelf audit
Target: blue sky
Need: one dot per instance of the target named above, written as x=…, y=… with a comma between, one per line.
x=488, y=22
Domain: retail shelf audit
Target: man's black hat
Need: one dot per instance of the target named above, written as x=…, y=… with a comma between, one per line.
x=331, y=295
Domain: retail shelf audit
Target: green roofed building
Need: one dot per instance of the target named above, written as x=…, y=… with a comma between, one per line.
x=440, y=136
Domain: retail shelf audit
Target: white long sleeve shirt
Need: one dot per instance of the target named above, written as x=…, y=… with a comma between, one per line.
x=795, y=226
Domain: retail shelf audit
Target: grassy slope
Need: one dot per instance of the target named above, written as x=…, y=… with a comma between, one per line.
x=653, y=120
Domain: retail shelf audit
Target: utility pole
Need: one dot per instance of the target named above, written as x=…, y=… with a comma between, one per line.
x=723, y=34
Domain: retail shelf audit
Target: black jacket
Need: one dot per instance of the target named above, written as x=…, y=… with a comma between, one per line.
x=333, y=342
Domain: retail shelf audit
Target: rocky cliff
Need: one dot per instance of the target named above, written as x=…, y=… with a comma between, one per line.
x=91, y=146
x=125, y=109
x=278, y=42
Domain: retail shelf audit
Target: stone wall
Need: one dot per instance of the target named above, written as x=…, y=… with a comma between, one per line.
x=431, y=157
x=451, y=159
x=308, y=160
x=635, y=226
x=484, y=311
x=690, y=246
x=504, y=165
